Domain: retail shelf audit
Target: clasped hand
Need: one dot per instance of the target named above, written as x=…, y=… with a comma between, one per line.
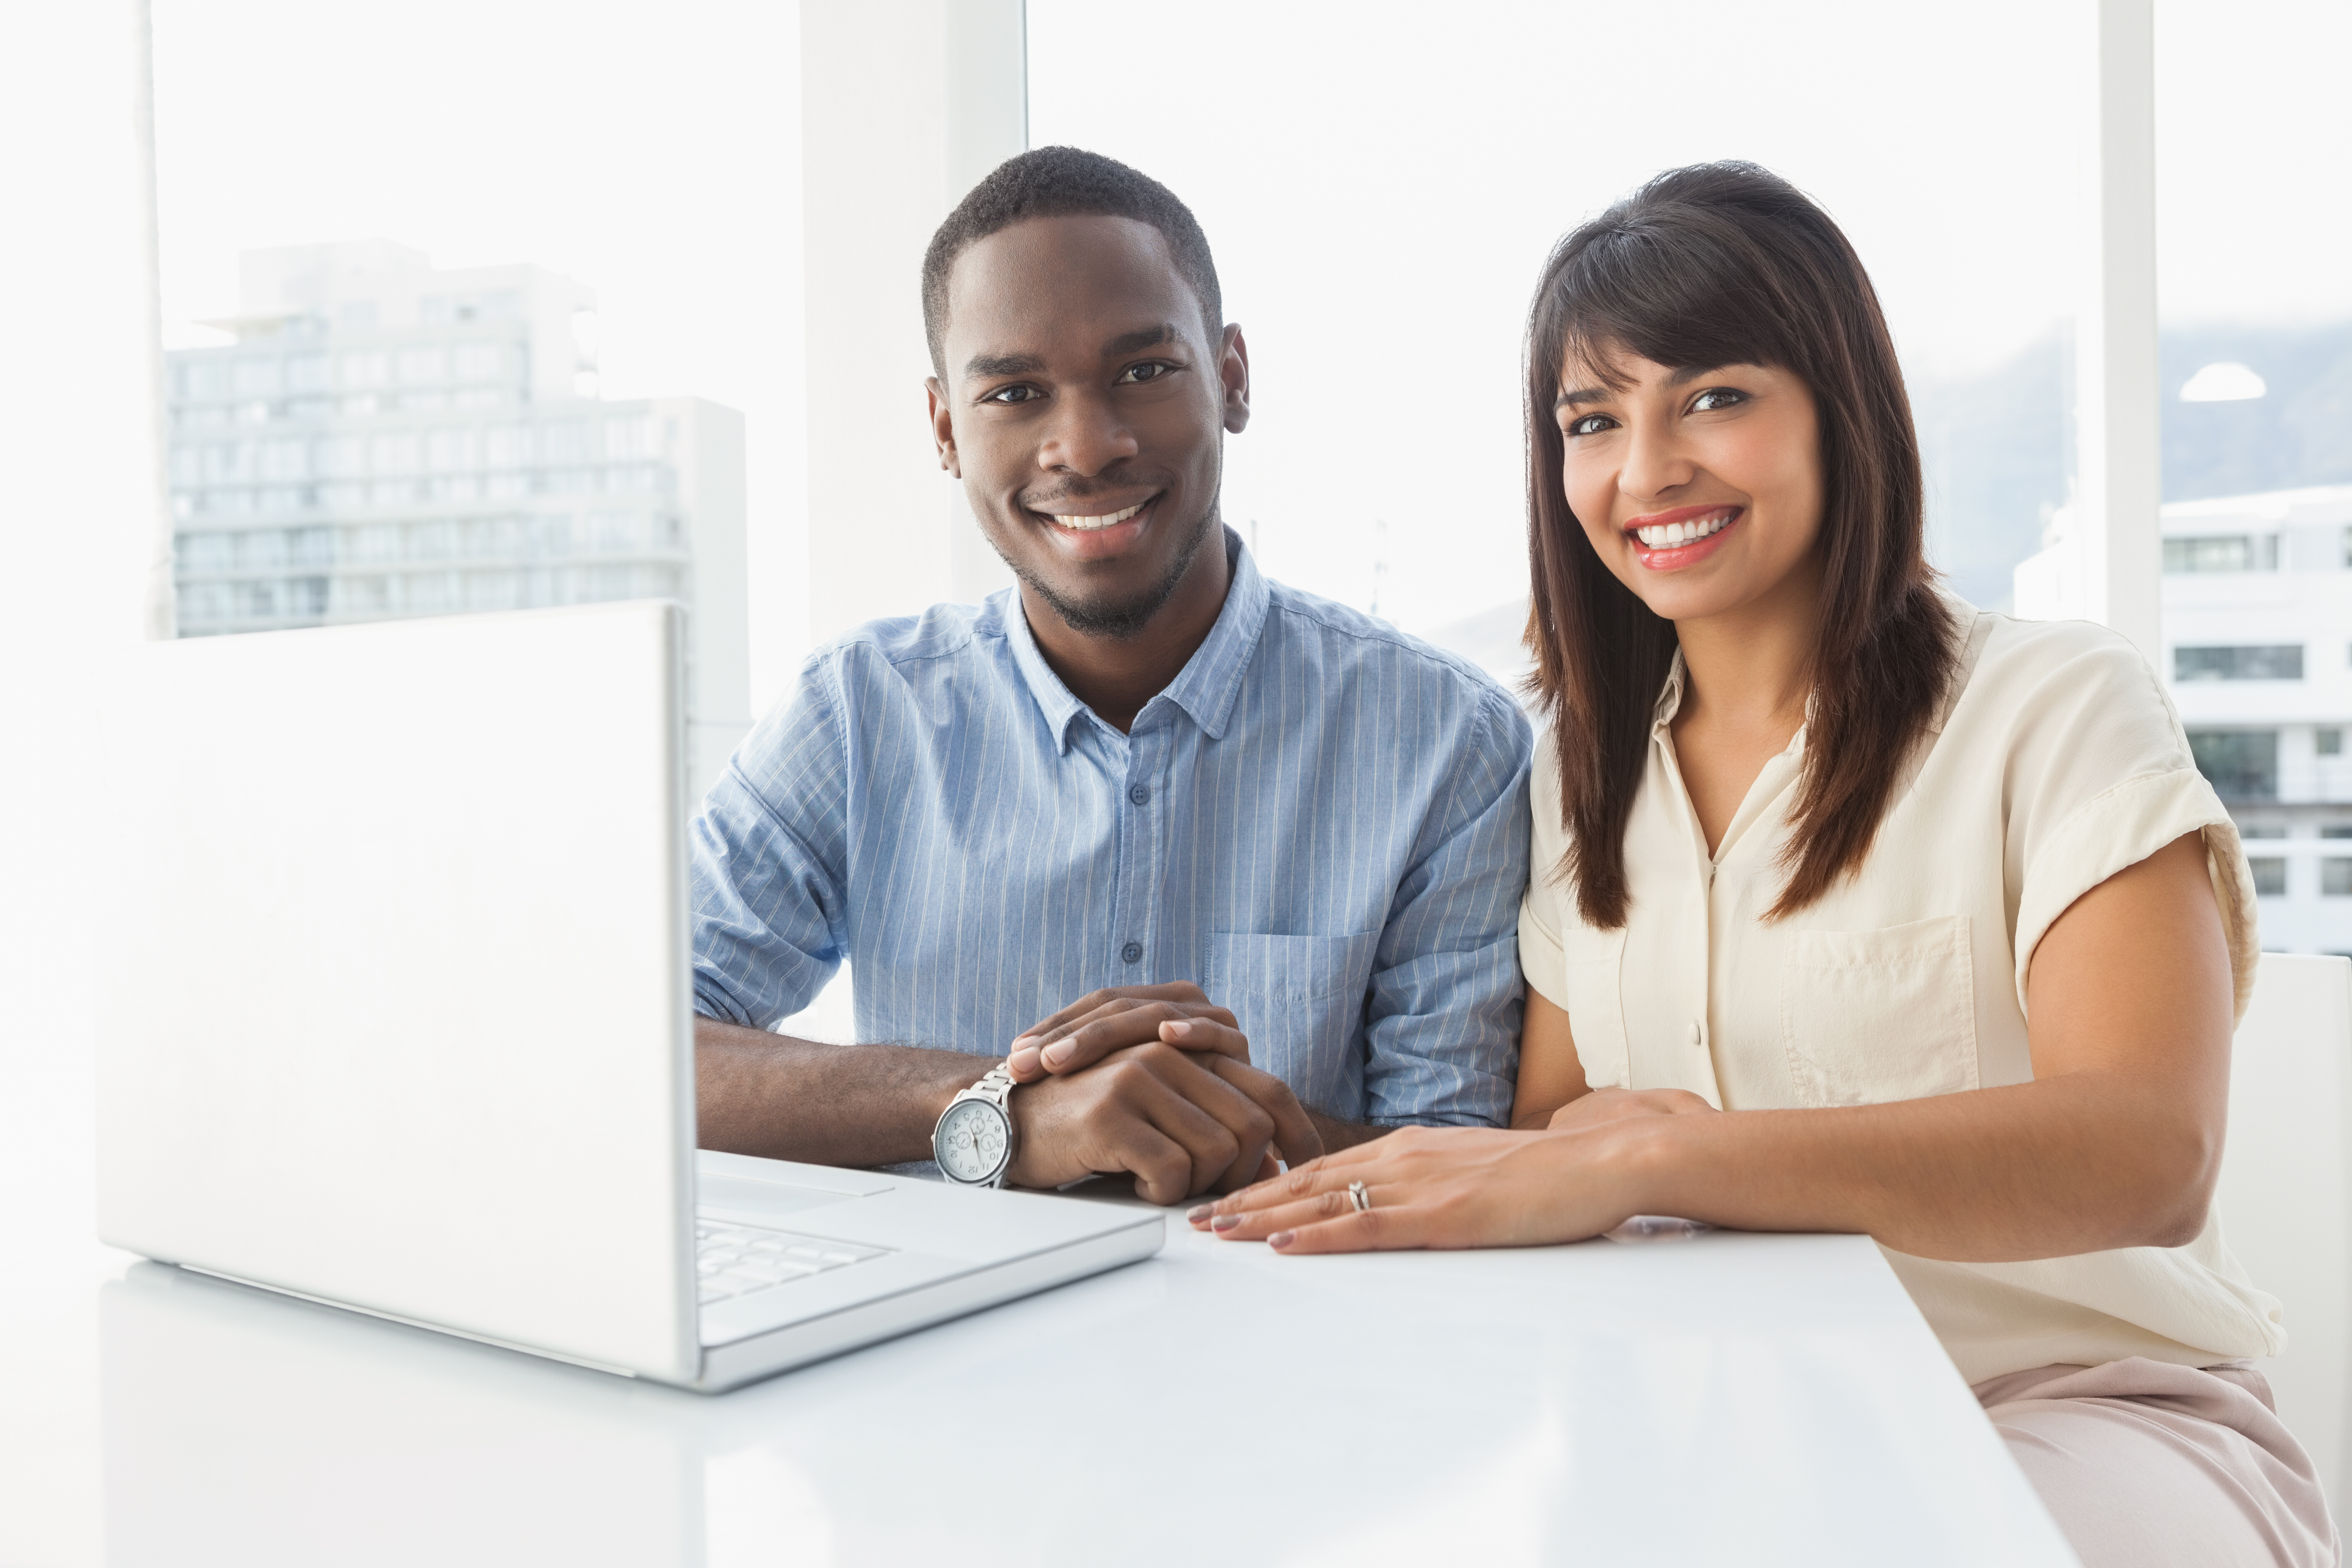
x=1154, y=1080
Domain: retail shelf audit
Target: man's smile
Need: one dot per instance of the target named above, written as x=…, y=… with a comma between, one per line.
x=1092, y=535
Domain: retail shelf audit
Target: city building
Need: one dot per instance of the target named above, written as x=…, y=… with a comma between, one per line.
x=2258, y=657
x=384, y=438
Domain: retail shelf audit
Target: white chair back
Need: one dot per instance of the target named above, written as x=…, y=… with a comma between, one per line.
x=2285, y=1190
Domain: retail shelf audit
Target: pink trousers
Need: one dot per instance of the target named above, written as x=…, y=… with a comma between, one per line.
x=2147, y=1465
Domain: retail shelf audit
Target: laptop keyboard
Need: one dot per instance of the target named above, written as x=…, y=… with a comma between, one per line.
x=736, y=1259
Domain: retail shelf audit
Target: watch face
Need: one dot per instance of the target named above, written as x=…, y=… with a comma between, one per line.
x=971, y=1144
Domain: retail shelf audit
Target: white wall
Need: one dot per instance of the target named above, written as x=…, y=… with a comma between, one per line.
x=75, y=433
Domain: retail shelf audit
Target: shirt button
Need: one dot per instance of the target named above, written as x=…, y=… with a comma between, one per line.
x=1140, y=794
x=1133, y=952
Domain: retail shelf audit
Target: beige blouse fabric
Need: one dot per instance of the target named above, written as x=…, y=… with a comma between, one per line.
x=2057, y=762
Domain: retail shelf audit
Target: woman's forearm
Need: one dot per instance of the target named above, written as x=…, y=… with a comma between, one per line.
x=2081, y=1163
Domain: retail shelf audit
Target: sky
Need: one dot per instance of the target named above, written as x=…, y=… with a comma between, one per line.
x=1381, y=181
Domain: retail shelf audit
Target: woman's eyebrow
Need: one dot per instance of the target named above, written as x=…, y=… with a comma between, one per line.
x=1691, y=373
x=1582, y=395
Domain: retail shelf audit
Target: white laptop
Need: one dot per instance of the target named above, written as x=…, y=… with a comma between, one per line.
x=396, y=1015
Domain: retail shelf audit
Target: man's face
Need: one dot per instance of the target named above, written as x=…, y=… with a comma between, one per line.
x=1082, y=405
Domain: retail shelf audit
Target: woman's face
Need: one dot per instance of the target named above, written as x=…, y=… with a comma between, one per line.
x=1702, y=489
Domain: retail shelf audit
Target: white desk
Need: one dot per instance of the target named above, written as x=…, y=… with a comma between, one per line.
x=1736, y=1398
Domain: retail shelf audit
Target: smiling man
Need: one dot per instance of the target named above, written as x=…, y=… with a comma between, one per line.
x=1163, y=867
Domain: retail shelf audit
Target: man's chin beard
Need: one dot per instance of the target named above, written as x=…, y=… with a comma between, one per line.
x=1119, y=620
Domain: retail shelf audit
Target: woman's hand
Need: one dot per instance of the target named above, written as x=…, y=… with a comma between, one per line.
x=1450, y=1187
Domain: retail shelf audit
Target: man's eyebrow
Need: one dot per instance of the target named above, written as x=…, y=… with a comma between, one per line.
x=1140, y=339
x=1003, y=364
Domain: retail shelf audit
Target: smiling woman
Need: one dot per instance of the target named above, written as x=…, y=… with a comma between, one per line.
x=1854, y=909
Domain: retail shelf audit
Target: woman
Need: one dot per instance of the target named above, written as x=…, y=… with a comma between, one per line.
x=1854, y=909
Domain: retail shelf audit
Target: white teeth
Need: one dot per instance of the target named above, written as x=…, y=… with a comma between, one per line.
x=1088, y=524
x=1666, y=535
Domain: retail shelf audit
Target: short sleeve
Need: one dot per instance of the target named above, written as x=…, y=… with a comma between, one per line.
x=1543, y=913
x=2099, y=778
x=767, y=865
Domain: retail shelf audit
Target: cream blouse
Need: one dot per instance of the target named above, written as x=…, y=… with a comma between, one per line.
x=2056, y=762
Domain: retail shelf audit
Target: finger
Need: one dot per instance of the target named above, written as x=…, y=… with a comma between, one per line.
x=1207, y=1034
x=1093, y=1001
x=1210, y=1147
x=1375, y=1230
x=1257, y=1224
x=1294, y=1135
x=1251, y=1124
x=1113, y=1028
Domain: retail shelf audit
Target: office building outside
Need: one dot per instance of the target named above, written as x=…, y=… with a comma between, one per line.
x=2258, y=658
x=384, y=438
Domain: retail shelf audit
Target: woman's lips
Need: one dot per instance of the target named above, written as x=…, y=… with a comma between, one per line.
x=1667, y=541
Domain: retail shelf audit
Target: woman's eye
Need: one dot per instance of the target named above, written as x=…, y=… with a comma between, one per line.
x=1716, y=397
x=1013, y=393
x=1591, y=424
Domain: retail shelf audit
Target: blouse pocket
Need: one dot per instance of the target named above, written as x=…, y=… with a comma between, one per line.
x=1871, y=1016
x=1300, y=999
x=1596, y=1006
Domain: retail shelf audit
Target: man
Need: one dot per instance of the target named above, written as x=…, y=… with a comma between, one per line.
x=1218, y=871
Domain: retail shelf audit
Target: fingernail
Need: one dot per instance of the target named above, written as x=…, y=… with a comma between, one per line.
x=1282, y=1238
x=1198, y=1212
x=1023, y=1059
x=1020, y=1040
x=1057, y=1053
x=1177, y=1027
x=1226, y=1222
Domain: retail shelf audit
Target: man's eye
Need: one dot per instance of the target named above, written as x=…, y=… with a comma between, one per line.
x=1151, y=370
x=1591, y=424
x=1013, y=393
x=1716, y=397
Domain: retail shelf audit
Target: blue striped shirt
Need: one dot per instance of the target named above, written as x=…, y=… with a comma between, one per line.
x=1321, y=821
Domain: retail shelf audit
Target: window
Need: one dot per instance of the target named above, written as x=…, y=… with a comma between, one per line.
x=2328, y=740
x=2336, y=830
x=2222, y=552
x=2261, y=830
x=2270, y=874
x=2260, y=661
x=2242, y=765
x=2335, y=877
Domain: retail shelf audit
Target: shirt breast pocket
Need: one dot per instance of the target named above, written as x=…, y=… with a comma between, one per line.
x=1300, y=1000
x=1596, y=1007
x=1872, y=1017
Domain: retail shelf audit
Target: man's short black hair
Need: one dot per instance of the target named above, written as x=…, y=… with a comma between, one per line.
x=1065, y=182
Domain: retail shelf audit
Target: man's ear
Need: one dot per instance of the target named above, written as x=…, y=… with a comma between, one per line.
x=942, y=426
x=1232, y=371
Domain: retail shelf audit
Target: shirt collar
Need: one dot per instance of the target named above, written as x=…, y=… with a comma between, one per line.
x=1670, y=702
x=1204, y=689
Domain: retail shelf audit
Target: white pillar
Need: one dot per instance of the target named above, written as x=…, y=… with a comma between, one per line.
x=2103, y=555
x=2116, y=411
x=905, y=105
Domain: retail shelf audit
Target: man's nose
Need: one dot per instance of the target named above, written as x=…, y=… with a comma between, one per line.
x=1084, y=435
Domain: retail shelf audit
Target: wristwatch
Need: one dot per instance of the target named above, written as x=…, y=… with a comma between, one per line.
x=973, y=1142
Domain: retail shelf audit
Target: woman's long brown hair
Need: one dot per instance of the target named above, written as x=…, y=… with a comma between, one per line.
x=1714, y=265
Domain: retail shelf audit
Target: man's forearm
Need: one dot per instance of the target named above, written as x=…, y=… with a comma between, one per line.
x=782, y=1099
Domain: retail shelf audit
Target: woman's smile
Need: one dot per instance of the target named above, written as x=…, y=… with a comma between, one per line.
x=1668, y=541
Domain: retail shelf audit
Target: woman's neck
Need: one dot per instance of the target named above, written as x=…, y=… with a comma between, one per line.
x=1746, y=676
x=1752, y=665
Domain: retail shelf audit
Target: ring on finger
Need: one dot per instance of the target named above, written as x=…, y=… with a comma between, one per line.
x=1360, y=1195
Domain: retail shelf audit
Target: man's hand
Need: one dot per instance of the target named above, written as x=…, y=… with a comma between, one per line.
x=1182, y=1123
x=1101, y=1022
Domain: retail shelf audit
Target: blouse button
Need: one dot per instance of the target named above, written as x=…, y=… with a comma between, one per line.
x=1697, y=1035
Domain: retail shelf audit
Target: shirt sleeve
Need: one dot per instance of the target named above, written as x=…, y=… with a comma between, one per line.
x=1543, y=913
x=1446, y=1000
x=769, y=864
x=2099, y=778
